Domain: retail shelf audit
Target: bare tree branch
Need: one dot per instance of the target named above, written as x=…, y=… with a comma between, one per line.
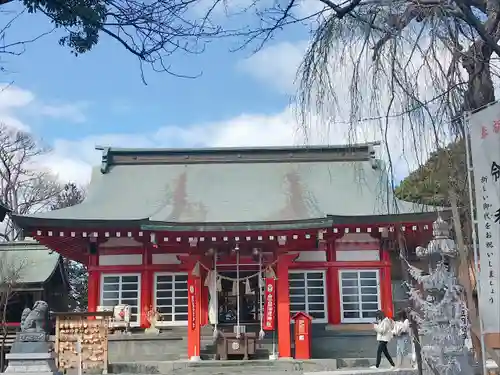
x=24, y=186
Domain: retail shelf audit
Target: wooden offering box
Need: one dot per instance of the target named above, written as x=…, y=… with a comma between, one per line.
x=228, y=344
x=92, y=334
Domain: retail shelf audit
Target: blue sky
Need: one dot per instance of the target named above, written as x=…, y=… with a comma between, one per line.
x=107, y=82
x=74, y=103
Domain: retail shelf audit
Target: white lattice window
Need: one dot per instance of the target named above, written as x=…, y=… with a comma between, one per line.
x=360, y=295
x=307, y=294
x=122, y=289
x=171, y=298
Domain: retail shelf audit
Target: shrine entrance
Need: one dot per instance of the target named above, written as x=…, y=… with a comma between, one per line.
x=239, y=299
x=236, y=282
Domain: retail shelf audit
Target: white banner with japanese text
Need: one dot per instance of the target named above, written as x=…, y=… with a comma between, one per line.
x=484, y=127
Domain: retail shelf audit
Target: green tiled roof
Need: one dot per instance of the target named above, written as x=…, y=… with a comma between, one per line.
x=235, y=186
x=27, y=261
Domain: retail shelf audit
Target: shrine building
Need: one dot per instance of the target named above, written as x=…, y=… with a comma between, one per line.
x=192, y=233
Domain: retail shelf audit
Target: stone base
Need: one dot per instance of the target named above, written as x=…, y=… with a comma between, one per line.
x=23, y=345
x=30, y=363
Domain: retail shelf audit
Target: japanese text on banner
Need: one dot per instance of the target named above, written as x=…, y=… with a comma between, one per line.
x=485, y=152
x=269, y=304
x=192, y=303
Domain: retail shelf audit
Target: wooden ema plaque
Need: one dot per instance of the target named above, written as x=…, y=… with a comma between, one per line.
x=93, y=337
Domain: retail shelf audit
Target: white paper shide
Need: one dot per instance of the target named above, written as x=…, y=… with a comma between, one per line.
x=485, y=151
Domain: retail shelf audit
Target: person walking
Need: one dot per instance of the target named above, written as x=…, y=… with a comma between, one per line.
x=401, y=331
x=383, y=327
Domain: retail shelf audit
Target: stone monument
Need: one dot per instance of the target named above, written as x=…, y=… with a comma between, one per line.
x=31, y=352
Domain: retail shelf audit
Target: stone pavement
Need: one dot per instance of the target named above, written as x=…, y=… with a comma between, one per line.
x=365, y=371
x=262, y=367
x=261, y=371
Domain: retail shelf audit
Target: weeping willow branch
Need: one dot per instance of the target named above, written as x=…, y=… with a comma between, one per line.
x=413, y=68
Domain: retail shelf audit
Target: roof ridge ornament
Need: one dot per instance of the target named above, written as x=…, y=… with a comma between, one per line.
x=105, y=159
x=373, y=156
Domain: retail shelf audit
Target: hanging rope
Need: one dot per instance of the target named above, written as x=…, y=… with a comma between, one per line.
x=216, y=331
x=238, y=294
x=217, y=276
x=261, y=308
x=243, y=278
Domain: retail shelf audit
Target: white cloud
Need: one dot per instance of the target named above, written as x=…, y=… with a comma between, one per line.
x=73, y=112
x=276, y=65
x=13, y=99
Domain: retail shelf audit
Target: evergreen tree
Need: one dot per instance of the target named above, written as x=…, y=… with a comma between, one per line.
x=70, y=195
x=77, y=273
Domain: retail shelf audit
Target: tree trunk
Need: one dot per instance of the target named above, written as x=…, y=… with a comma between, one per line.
x=5, y=298
x=480, y=91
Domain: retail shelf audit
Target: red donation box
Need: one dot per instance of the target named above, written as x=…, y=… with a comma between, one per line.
x=302, y=335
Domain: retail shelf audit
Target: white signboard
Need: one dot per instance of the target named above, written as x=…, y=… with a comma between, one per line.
x=485, y=151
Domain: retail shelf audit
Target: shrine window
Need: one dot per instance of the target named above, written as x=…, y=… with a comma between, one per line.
x=122, y=289
x=360, y=295
x=307, y=294
x=171, y=298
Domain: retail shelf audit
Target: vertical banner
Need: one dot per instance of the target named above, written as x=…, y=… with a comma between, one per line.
x=269, y=304
x=484, y=127
x=192, y=303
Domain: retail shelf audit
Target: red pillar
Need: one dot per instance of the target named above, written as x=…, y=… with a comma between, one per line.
x=333, y=291
x=386, y=285
x=194, y=303
x=146, y=286
x=93, y=285
x=194, y=315
x=283, y=304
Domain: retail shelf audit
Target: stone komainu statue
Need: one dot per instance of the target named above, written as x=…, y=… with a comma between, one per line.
x=35, y=320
